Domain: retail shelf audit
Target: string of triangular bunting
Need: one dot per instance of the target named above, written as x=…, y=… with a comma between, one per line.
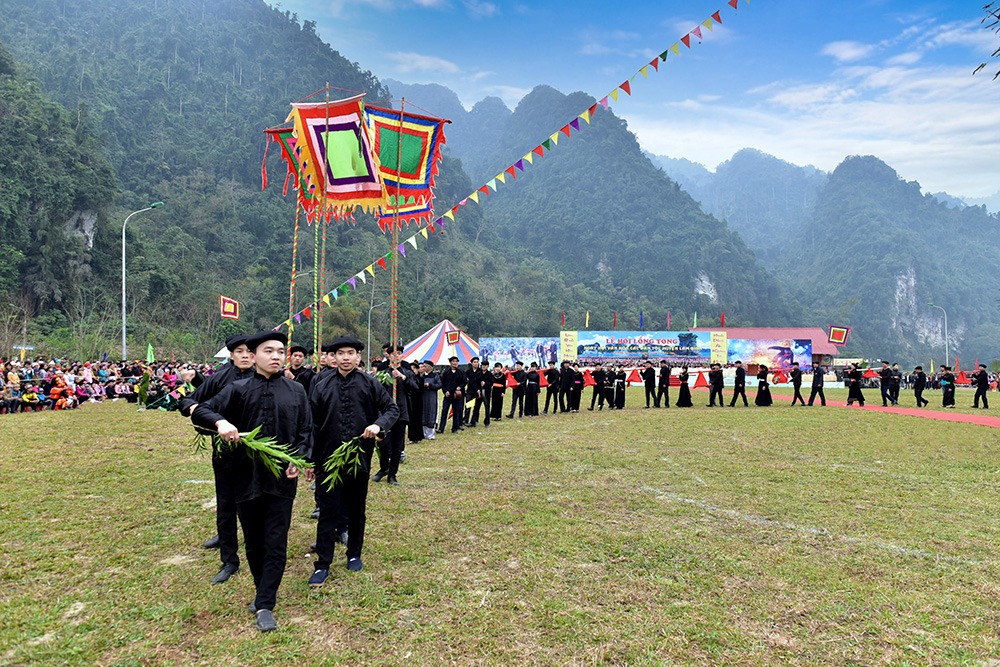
x=539, y=151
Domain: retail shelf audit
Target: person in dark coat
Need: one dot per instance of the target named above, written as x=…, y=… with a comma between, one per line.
x=517, y=393
x=390, y=448
x=895, y=380
x=552, y=390
x=763, y=398
x=474, y=393
x=430, y=387
x=297, y=370
x=739, y=385
x=346, y=404
x=919, y=384
x=649, y=383
x=663, y=387
x=532, y=387
x=597, y=395
x=715, y=384
x=226, y=539
x=264, y=501
x=853, y=379
x=982, y=381
x=566, y=388
x=885, y=378
x=797, y=384
x=453, y=388
x=684, y=391
x=498, y=386
x=947, y=387
x=817, y=386
x=415, y=429
x=621, y=378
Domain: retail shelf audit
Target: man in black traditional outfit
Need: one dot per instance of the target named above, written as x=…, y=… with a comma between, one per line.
x=919, y=384
x=264, y=501
x=982, y=381
x=797, y=384
x=497, y=386
x=598, y=391
x=474, y=378
x=817, y=386
x=566, y=388
x=517, y=395
x=649, y=383
x=347, y=404
x=297, y=370
x=552, y=390
x=390, y=449
x=739, y=385
x=453, y=388
x=715, y=384
x=240, y=366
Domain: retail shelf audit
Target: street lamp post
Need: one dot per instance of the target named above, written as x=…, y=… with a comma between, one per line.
x=155, y=204
x=947, y=359
x=374, y=306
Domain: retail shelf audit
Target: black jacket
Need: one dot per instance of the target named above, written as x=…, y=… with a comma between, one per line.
x=452, y=380
x=342, y=407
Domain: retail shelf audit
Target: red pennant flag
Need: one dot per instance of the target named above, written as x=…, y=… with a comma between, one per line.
x=430, y=228
x=732, y=3
x=307, y=312
x=381, y=262
x=718, y=19
x=538, y=150
x=510, y=170
x=592, y=110
x=565, y=129
x=485, y=190
x=627, y=87
x=655, y=62
x=687, y=40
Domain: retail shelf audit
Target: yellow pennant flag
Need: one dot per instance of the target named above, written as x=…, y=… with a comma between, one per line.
x=708, y=23
x=676, y=48
x=614, y=94
x=586, y=116
x=474, y=197
x=529, y=159
x=554, y=138
x=449, y=215
x=326, y=299
x=423, y=232
x=500, y=177
x=370, y=269
x=412, y=240
x=645, y=71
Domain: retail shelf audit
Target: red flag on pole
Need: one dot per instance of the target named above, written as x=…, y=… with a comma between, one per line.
x=563, y=322
x=722, y=320
x=614, y=321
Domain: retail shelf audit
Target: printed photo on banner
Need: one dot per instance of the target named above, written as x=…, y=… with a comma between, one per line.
x=632, y=348
x=509, y=351
x=775, y=354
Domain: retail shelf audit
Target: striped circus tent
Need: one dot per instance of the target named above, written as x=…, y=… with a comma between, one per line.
x=440, y=342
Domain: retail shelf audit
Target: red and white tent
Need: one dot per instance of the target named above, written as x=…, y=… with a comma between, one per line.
x=440, y=342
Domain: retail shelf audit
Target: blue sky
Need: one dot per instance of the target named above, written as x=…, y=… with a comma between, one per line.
x=809, y=82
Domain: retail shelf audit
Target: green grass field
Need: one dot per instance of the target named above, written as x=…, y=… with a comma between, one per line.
x=647, y=537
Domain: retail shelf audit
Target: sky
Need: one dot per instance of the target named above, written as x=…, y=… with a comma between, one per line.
x=806, y=81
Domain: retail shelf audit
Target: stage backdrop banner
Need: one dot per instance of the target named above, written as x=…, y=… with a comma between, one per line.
x=508, y=351
x=774, y=354
x=633, y=348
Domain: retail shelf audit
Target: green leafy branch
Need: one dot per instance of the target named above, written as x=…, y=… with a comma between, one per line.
x=267, y=451
x=346, y=459
x=385, y=378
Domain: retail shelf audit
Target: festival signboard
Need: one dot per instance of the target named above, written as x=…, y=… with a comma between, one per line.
x=775, y=354
x=508, y=351
x=633, y=348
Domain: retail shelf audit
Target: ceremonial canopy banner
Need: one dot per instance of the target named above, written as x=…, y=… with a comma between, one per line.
x=632, y=348
x=775, y=354
x=509, y=351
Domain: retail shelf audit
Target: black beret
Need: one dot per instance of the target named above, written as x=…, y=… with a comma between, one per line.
x=450, y=359
x=235, y=341
x=344, y=341
x=298, y=348
x=261, y=337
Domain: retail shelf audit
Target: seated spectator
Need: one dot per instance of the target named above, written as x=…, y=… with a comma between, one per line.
x=30, y=400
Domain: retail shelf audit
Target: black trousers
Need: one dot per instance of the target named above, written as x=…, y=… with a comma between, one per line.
x=981, y=393
x=457, y=406
x=472, y=414
x=487, y=401
x=894, y=392
x=597, y=397
x=817, y=391
x=886, y=395
x=919, y=395
x=650, y=394
x=531, y=402
x=552, y=394
x=663, y=395
x=225, y=511
x=798, y=395
x=350, y=496
x=517, y=402
x=496, y=403
x=265, y=522
x=713, y=392
x=740, y=391
x=565, y=400
x=391, y=447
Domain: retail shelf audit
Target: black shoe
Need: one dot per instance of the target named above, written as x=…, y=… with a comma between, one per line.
x=318, y=578
x=379, y=476
x=393, y=480
x=315, y=514
x=354, y=564
x=211, y=543
x=265, y=620
x=440, y=430
x=225, y=572
x=590, y=409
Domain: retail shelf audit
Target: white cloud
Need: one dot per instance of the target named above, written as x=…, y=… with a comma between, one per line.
x=846, y=52
x=511, y=95
x=908, y=58
x=407, y=62
x=481, y=8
